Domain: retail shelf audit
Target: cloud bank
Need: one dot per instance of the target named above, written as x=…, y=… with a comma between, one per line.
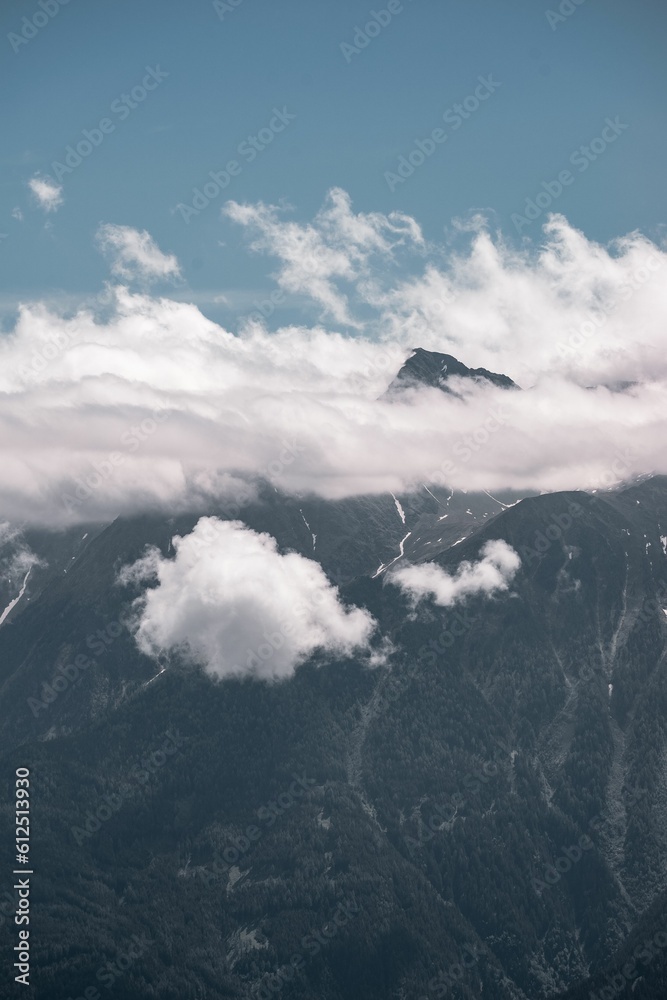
x=230, y=602
x=492, y=574
x=145, y=403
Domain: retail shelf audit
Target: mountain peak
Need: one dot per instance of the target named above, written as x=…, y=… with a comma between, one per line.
x=433, y=369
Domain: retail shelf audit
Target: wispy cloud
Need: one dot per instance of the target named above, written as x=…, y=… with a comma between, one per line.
x=16, y=556
x=566, y=305
x=337, y=245
x=135, y=254
x=47, y=193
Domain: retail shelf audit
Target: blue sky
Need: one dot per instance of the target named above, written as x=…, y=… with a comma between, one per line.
x=356, y=114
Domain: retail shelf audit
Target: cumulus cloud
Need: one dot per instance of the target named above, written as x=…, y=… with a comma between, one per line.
x=569, y=305
x=491, y=574
x=47, y=193
x=232, y=603
x=135, y=254
x=146, y=403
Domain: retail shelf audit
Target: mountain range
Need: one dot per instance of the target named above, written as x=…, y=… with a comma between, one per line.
x=479, y=811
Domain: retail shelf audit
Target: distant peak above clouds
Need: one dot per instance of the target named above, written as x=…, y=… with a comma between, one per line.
x=429, y=368
x=146, y=403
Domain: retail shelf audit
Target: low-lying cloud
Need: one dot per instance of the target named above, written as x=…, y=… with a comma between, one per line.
x=230, y=602
x=16, y=556
x=490, y=575
x=145, y=403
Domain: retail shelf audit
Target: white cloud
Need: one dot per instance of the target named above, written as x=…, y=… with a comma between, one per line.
x=146, y=403
x=337, y=245
x=232, y=603
x=48, y=194
x=570, y=306
x=492, y=573
x=16, y=557
x=134, y=254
